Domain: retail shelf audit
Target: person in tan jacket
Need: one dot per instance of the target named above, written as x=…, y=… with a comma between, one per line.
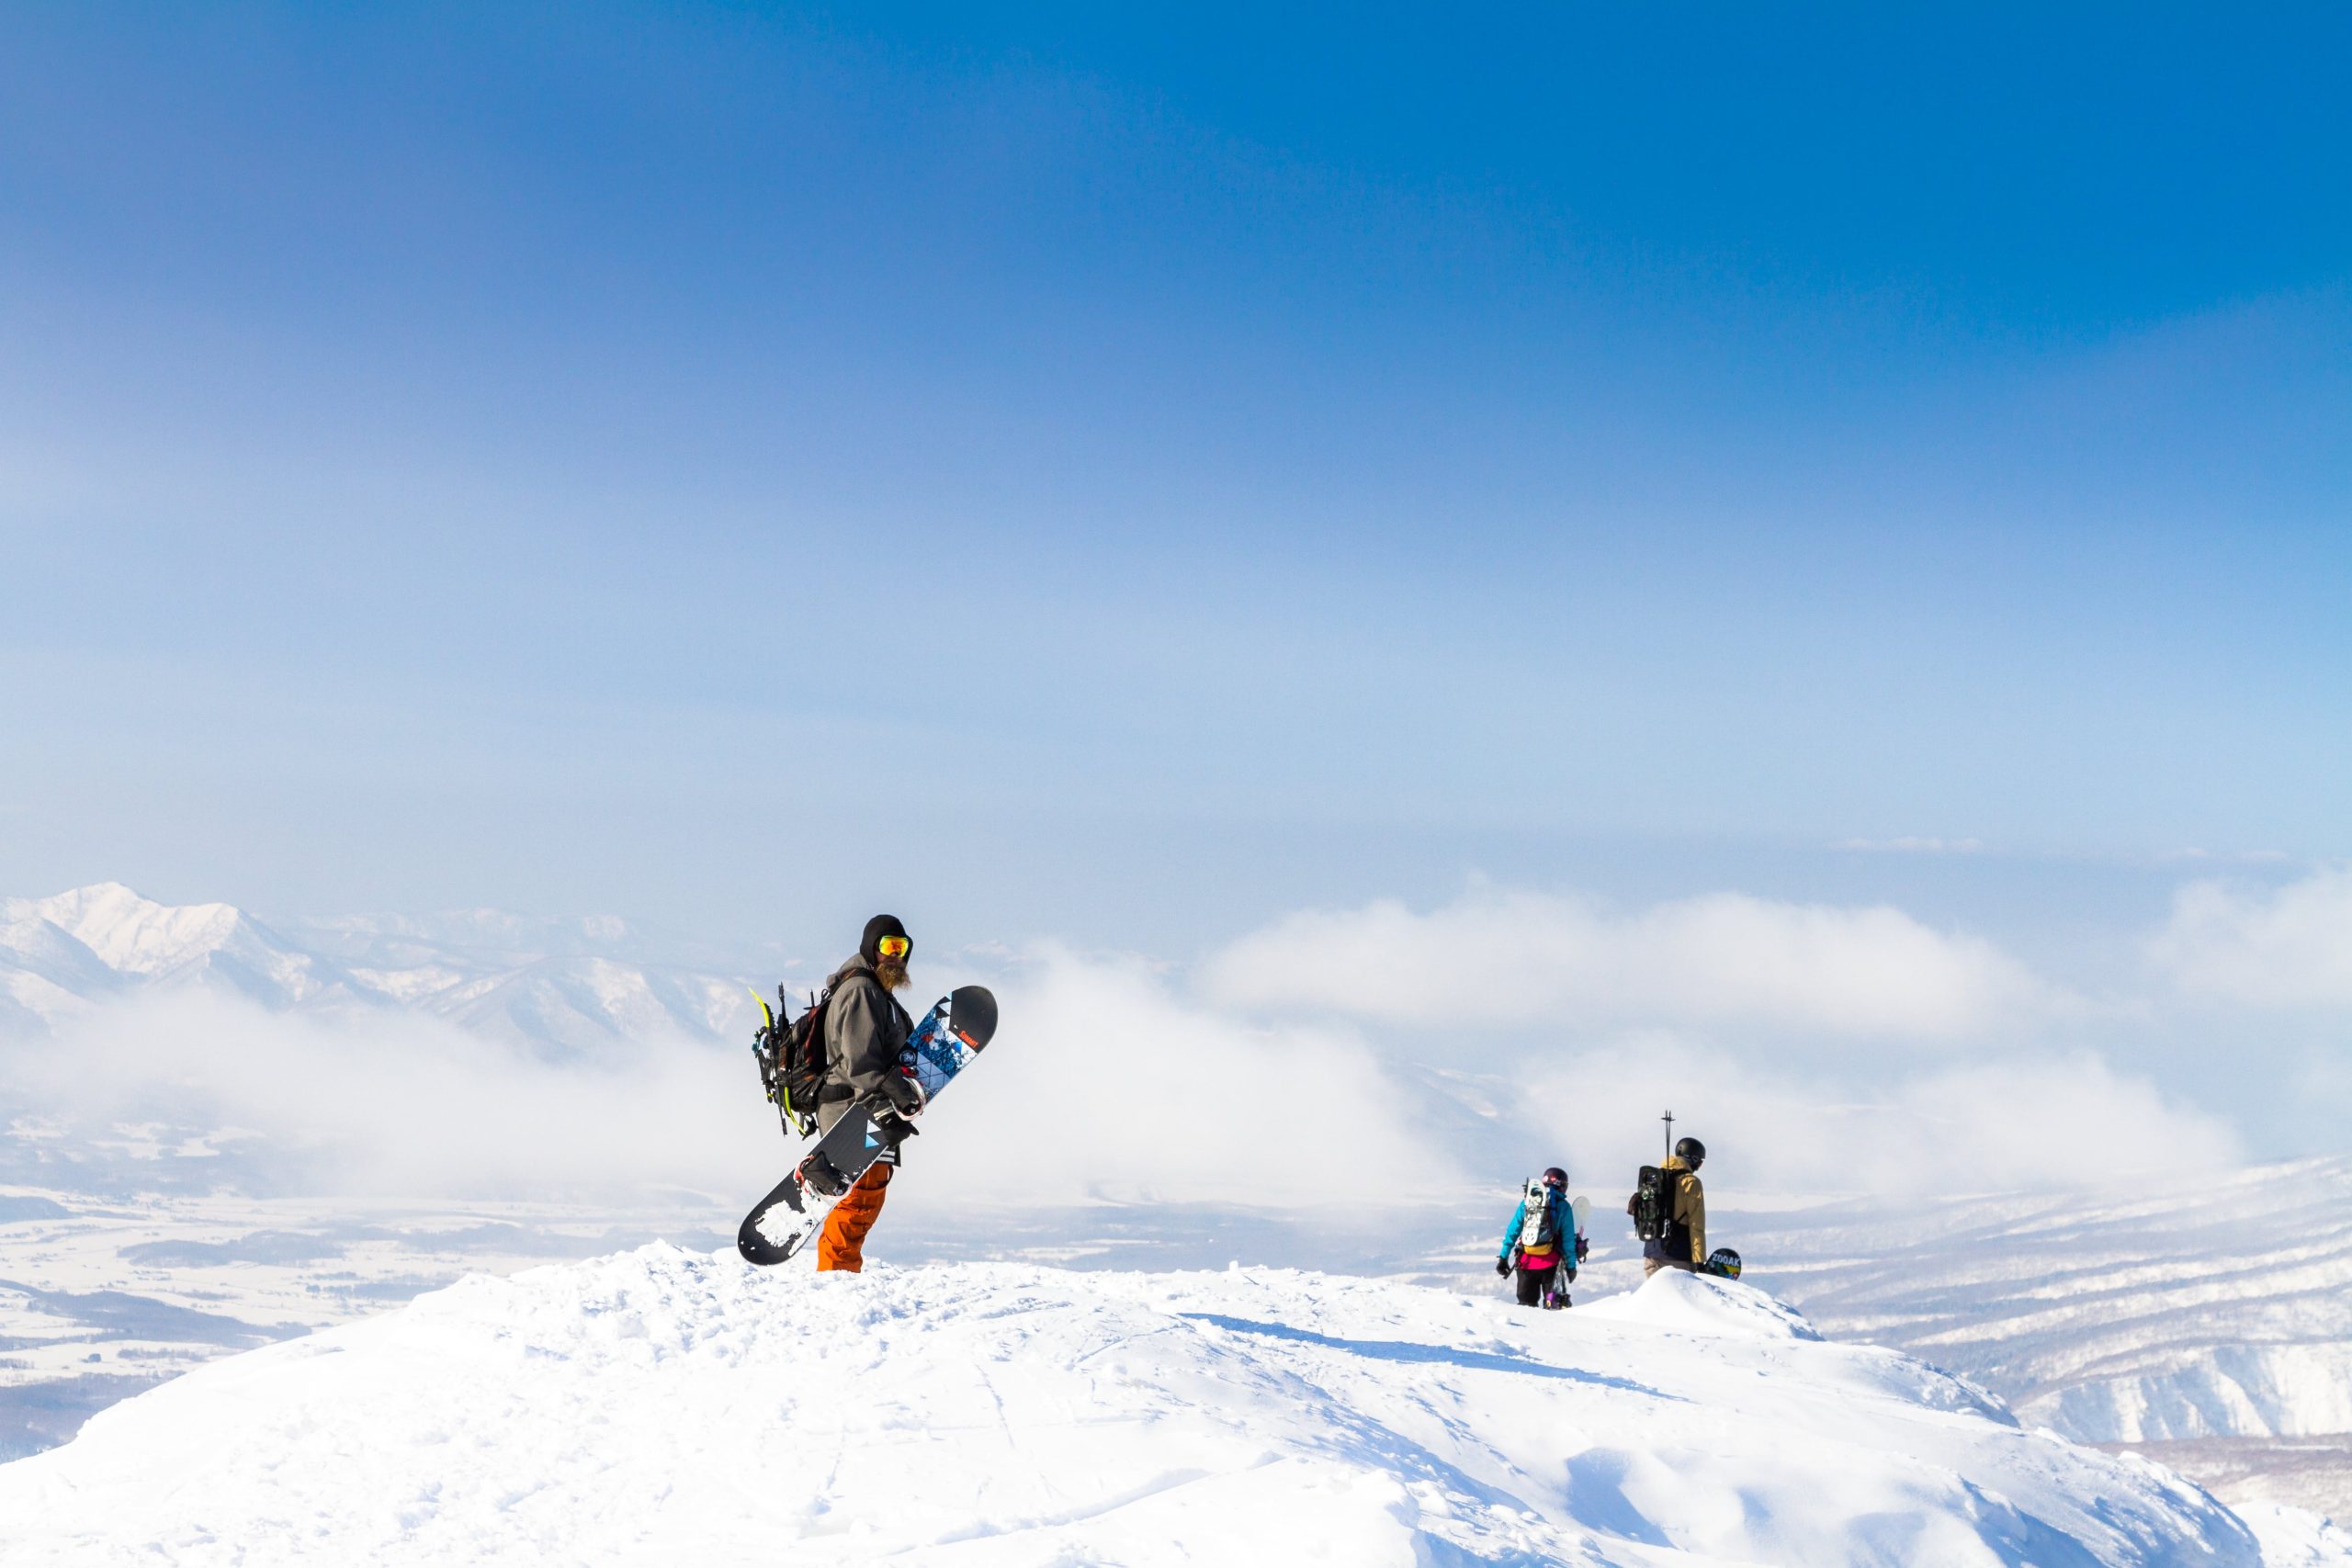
x=1684, y=1243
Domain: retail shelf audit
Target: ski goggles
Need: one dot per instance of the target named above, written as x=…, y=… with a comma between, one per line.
x=894, y=947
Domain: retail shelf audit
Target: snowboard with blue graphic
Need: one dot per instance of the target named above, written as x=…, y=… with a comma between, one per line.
x=949, y=1038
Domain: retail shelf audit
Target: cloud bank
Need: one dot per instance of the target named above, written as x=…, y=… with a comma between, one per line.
x=2067, y=1120
x=2285, y=947
x=1113, y=1082
x=389, y=1103
x=1498, y=959
x=1289, y=1069
x=1105, y=1081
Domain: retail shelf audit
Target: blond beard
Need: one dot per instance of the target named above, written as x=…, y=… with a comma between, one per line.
x=892, y=972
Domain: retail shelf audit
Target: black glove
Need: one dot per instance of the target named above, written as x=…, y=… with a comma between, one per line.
x=902, y=1096
x=1502, y=1267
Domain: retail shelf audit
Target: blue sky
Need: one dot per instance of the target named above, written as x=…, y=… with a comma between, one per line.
x=1068, y=473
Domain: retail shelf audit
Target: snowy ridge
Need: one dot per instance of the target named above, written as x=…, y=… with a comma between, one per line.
x=659, y=1407
x=572, y=985
x=131, y=935
x=2218, y=1311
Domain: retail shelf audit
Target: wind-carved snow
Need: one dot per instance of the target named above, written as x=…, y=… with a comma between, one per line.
x=659, y=1407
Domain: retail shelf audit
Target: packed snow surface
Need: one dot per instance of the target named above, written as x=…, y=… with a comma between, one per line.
x=661, y=1406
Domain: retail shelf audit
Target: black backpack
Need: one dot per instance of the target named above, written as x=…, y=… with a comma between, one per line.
x=792, y=1060
x=1653, y=1203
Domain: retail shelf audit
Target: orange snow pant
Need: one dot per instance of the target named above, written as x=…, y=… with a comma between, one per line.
x=842, y=1243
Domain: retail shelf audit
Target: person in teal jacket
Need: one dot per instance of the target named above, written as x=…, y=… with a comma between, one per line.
x=1541, y=1245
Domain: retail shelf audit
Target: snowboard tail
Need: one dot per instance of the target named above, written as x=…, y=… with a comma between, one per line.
x=751, y=1239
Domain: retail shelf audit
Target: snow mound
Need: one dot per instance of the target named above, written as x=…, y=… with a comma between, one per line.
x=1701, y=1303
x=2295, y=1538
x=659, y=1407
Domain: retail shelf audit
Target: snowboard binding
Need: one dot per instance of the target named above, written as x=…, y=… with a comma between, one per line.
x=822, y=1175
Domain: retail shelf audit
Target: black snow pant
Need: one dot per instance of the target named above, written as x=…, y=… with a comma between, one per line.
x=1533, y=1282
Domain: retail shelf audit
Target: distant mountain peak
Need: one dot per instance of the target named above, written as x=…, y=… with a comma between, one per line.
x=136, y=935
x=572, y=983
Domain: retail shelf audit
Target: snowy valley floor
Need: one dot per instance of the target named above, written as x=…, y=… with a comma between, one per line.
x=667, y=1406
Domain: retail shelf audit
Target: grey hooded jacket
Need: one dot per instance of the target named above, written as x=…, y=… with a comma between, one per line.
x=864, y=1031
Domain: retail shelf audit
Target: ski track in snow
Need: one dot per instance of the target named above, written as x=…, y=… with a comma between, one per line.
x=662, y=1407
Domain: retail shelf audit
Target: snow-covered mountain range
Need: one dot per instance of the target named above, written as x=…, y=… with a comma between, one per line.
x=2176, y=1312
x=668, y=1407
x=560, y=985
x=2209, y=1320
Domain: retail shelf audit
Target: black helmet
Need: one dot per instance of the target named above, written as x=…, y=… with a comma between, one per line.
x=1555, y=1177
x=1690, y=1149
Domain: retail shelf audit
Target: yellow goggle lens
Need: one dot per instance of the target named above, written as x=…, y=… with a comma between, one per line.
x=893, y=946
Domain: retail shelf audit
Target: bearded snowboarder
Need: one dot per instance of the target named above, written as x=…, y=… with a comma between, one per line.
x=864, y=1031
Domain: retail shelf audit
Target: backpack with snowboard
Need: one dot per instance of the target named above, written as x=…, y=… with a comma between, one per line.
x=1653, y=1203
x=1539, y=1232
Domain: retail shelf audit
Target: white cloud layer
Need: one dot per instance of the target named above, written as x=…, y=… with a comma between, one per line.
x=1498, y=959
x=1109, y=1081
x=1104, y=1081
x=1112, y=1078
x=398, y=1103
x=2289, y=947
x=1995, y=1126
